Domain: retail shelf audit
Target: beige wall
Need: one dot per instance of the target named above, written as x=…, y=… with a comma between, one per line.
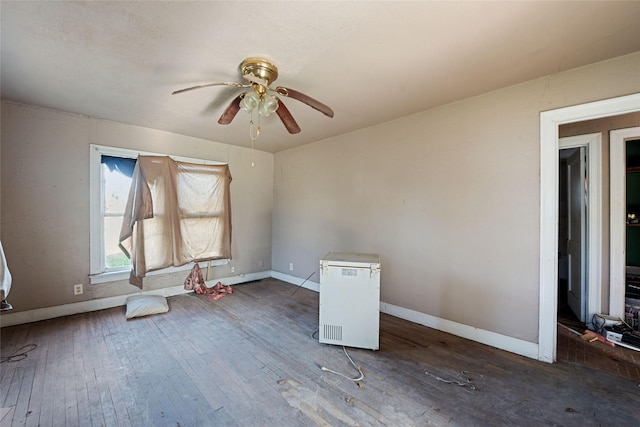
x=448, y=197
x=45, y=201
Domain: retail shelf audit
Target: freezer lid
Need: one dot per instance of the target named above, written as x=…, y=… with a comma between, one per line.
x=351, y=259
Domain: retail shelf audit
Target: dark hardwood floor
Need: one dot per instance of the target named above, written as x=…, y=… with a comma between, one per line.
x=252, y=359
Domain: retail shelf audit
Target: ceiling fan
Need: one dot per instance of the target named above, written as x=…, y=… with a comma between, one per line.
x=260, y=74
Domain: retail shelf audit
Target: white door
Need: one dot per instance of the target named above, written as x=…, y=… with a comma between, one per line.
x=576, y=190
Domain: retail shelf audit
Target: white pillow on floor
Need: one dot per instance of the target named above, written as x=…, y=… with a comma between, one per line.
x=144, y=305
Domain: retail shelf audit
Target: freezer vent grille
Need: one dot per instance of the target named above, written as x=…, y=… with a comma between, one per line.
x=333, y=332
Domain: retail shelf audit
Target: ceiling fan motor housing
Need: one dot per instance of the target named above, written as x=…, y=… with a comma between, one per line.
x=260, y=68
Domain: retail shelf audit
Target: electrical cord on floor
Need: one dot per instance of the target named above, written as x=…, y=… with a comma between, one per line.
x=462, y=380
x=356, y=380
x=19, y=354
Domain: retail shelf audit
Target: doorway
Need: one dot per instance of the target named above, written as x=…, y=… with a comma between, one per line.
x=549, y=155
x=572, y=276
x=579, y=227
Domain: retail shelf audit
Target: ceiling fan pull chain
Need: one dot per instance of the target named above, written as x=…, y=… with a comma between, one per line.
x=252, y=162
x=253, y=138
x=258, y=128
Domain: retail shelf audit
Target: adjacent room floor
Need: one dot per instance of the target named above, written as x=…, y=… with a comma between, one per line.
x=252, y=358
x=596, y=355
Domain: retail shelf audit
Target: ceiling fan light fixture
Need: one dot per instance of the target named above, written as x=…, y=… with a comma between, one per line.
x=250, y=101
x=268, y=105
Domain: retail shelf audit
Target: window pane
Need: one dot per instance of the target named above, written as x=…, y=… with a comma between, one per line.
x=114, y=257
x=116, y=191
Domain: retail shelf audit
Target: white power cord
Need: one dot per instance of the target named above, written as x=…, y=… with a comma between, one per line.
x=360, y=378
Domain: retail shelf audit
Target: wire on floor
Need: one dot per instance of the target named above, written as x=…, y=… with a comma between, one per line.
x=462, y=380
x=300, y=285
x=357, y=379
x=19, y=354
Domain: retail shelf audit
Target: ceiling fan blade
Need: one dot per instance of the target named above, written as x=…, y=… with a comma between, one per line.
x=210, y=84
x=286, y=117
x=231, y=111
x=313, y=103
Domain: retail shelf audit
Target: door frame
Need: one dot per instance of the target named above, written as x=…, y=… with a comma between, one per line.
x=617, y=250
x=549, y=140
x=593, y=145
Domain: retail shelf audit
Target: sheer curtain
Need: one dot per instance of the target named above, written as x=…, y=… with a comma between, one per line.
x=176, y=213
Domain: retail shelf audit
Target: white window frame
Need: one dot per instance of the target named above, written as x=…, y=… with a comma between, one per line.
x=96, y=223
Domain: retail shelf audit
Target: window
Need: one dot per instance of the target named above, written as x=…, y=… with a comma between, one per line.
x=115, y=182
x=111, y=170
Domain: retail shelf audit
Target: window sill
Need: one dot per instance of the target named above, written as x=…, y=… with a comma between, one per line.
x=114, y=276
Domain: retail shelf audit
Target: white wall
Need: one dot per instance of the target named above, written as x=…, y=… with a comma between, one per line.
x=448, y=197
x=45, y=202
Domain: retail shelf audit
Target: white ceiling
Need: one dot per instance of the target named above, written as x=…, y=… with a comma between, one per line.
x=370, y=61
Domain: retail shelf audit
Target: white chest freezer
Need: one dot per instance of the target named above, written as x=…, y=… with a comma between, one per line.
x=350, y=300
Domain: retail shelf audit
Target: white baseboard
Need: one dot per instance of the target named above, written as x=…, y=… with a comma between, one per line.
x=242, y=278
x=296, y=281
x=503, y=342
x=35, y=315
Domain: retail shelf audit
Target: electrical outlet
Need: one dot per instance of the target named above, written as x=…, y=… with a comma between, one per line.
x=233, y=269
x=290, y=266
x=260, y=264
x=77, y=289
